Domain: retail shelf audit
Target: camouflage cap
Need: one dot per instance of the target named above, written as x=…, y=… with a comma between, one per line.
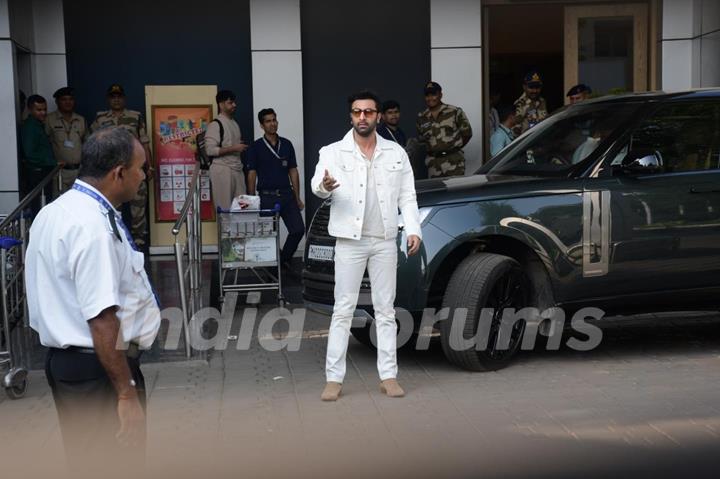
x=115, y=89
x=432, y=88
x=533, y=80
x=64, y=91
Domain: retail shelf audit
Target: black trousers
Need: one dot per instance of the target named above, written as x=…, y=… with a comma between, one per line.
x=291, y=216
x=32, y=176
x=86, y=403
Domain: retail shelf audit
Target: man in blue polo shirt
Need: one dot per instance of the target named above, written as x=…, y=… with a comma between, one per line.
x=271, y=163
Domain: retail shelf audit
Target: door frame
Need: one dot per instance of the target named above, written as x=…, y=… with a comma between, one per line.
x=641, y=27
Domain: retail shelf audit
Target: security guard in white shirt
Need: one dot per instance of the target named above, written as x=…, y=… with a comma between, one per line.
x=92, y=304
x=369, y=179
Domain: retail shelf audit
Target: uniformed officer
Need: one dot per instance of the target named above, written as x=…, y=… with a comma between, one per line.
x=530, y=108
x=67, y=131
x=134, y=122
x=445, y=130
x=271, y=162
x=92, y=305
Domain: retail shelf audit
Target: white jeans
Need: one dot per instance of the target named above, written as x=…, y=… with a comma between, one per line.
x=351, y=258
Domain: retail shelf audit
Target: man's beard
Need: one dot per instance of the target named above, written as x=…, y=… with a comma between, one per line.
x=365, y=133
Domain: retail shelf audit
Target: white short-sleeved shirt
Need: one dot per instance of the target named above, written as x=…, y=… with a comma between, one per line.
x=76, y=267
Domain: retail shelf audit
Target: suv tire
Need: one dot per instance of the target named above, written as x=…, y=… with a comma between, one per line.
x=363, y=334
x=483, y=280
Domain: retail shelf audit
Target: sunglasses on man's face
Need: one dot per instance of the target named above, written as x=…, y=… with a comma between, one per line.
x=369, y=112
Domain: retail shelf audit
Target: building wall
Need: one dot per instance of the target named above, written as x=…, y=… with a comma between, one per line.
x=277, y=73
x=32, y=55
x=158, y=42
x=301, y=58
x=456, y=51
x=690, y=44
x=347, y=46
x=49, y=70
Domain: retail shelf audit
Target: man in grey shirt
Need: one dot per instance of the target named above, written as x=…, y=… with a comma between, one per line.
x=223, y=142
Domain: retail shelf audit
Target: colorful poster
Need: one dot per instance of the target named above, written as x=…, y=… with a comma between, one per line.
x=174, y=131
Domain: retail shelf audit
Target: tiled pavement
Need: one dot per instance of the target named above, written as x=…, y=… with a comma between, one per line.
x=644, y=402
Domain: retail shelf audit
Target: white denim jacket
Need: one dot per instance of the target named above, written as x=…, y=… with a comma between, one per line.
x=394, y=182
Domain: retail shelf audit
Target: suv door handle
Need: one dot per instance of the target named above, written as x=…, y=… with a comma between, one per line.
x=710, y=189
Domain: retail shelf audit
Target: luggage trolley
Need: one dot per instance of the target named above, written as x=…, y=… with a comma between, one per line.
x=14, y=377
x=249, y=242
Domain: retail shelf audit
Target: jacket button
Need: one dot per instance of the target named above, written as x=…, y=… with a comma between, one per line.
x=361, y=186
x=360, y=201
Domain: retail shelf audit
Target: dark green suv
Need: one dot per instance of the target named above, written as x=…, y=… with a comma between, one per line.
x=613, y=203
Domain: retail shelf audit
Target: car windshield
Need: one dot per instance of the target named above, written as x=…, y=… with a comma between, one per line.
x=565, y=139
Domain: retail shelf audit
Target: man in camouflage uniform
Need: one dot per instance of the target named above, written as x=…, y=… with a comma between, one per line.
x=133, y=121
x=67, y=132
x=445, y=130
x=530, y=108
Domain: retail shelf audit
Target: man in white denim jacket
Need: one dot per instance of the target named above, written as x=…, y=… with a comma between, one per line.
x=368, y=178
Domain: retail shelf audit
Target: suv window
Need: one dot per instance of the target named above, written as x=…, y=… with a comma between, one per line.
x=567, y=138
x=686, y=136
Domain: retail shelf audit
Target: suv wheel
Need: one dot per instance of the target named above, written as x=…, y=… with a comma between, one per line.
x=364, y=335
x=484, y=280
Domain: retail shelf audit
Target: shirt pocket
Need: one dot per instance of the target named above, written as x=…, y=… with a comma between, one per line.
x=138, y=266
x=347, y=166
x=345, y=180
x=393, y=170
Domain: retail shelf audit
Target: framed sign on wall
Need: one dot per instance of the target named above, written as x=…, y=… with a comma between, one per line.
x=174, y=129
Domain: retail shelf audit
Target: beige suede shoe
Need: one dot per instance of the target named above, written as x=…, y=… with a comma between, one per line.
x=331, y=391
x=391, y=388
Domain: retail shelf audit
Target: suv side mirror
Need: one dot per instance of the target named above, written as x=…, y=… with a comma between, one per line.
x=642, y=162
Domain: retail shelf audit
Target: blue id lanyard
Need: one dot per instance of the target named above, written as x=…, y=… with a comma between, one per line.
x=113, y=221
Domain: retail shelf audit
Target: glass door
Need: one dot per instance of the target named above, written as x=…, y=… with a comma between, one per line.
x=606, y=47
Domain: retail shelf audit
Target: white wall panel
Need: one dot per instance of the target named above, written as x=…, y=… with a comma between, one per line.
x=459, y=72
x=8, y=127
x=8, y=201
x=680, y=64
x=49, y=74
x=710, y=62
x=275, y=24
x=277, y=74
x=48, y=26
x=455, y=23
x=277, y=84
x=681, y=18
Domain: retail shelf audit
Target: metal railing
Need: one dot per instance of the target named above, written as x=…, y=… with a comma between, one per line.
x=190, y=271
x=14, y=235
